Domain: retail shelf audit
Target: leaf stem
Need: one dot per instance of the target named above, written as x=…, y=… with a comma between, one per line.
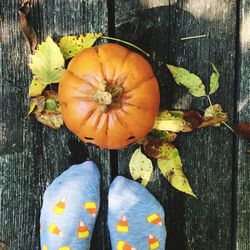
x=125, y=42
x=227, y=125
x=209, y=100
x=230, y=128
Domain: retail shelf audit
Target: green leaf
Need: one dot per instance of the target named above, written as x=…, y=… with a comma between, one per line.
x=191, y=81
x=36, y=88
x=71, y=45
x=48, y=62
x=214, y=80
x=140, y=167
x=50, y=104
x=171, y=167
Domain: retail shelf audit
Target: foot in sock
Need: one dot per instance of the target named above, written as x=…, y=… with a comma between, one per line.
x=70, y=207
x=135, y=217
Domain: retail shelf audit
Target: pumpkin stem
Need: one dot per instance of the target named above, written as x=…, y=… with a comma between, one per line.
x=107, y=96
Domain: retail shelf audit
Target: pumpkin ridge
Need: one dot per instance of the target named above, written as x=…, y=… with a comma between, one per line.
x=101, y=63
x=84, y=120
x=140, y=122
x=132, y=105
x=122, y=65
x=106, y=130
x=98, y=120
x=141, y=83
x=77, y=76
x=123, y=124
x=75, y=87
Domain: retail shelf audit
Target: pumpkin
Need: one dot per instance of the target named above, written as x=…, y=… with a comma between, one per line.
x=109, y=96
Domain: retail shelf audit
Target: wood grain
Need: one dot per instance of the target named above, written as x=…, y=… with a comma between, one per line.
x=207, y=154
x=242, y=209
x=216, y=164
x=32, y=155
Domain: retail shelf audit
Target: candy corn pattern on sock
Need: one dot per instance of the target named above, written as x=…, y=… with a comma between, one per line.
x=70, y=207
x=135, y=217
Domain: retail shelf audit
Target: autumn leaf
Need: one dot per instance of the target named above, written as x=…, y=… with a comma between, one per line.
x=37, y=103
x=243, y=130
x=51, y=104
x=48, y=62
x=215, y=111
x=172, y=121
x=27, y=30
x=36, y=88
x=214, y=80
x=153, y=147
x=165, y=136
x=194, y=118
x=71, y=45
x=54, y=121
x=140, y=167
x=171, y=167
x=47, y=110
x=191, y=81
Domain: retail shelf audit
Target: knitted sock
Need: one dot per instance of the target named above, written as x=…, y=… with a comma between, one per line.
x=70, y=207
x=135, y=217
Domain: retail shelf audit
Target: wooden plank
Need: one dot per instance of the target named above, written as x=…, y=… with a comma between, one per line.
x=32, y=155
x=157, y=27
x=242, y=210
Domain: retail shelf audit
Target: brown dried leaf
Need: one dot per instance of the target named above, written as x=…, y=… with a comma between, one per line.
x=170, y=137
x=243, y=130
x=194, y=118
x=51, y=120
x=47, y=109
x=152, y=147
x=164, y=136
x=51, y=115
x=3, y=246
x=27, y=30
x=213, y=121
x=37, y=104
x=216, y=112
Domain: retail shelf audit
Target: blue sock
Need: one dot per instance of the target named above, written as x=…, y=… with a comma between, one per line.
x=70, y=207
x=135, y=217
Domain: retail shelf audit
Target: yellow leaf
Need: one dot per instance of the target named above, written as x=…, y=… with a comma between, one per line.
x=36, y=88
x=71, y=45
x=32, y=107
x=215, y=111
x=171, y=167
x=48, y=62
x=140, y=167
x=171, y=121
x=37, y=104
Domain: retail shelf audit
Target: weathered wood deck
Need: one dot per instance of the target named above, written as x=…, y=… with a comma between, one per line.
x=215, y=162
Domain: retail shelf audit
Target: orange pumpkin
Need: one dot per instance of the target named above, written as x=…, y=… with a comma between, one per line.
x=109, y=96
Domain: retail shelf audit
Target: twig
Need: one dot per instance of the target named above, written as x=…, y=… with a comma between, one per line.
x=193, y=37
x=130, y=44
